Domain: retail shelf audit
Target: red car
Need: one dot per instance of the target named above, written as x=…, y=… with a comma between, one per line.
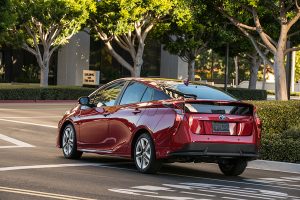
x=161, y=120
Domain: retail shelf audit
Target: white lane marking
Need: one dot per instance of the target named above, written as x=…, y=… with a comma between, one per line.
x=41, y=194
x=153, y=188
x=233, y=194
x=130, y=191
x=245, y=182
x=28, y=123
x=292, y=178
x=30, y=117
x=47, y=166
x=232, y=198
x=227, y=191
x=18, y=143
x=198, y=194
x=173, y=197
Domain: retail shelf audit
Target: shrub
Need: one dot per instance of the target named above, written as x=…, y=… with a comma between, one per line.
x=248, y=94
x=37, y=93
x=280, y=130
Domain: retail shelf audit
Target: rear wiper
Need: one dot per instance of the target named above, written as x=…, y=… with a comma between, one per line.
x=179, y=93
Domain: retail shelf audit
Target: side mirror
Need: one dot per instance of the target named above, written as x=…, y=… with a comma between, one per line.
x=84, y=101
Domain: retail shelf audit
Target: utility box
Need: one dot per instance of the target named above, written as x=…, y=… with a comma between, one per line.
x=91, y=77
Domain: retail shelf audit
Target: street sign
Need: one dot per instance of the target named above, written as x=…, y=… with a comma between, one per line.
x=91, y=77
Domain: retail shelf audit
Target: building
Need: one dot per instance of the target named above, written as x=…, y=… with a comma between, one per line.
x=83, y=52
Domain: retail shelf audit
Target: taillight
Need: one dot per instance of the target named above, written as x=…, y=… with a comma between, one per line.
x=258, y=122
x=196, y=126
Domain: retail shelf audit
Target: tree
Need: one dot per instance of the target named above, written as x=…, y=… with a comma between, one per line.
x=282, y=17
x=127, y=23
x=44, y=25
x=189, y=39
x=7, y=19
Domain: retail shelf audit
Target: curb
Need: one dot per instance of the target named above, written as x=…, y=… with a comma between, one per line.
x=274, y=166
x=38, y=101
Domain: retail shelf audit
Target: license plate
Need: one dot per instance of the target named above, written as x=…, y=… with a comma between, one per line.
x=220, y=127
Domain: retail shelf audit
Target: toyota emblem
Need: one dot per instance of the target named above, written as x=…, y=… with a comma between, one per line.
x=222, y=117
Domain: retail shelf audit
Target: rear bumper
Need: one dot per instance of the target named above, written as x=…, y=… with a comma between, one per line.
x=217, y=150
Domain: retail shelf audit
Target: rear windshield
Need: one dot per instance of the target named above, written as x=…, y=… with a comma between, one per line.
x=215, y=108
x=203, y=92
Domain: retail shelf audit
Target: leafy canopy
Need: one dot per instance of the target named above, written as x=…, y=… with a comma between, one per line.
x=64, y=17
x=116, y=17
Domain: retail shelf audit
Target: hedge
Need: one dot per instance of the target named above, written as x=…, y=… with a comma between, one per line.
x=34, y=92
x=248, y=94
x=50, y=93
x=280, y=130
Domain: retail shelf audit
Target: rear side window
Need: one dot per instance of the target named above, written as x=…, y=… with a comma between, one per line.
x=133, y=93
x=154, y=95
x=160, y=95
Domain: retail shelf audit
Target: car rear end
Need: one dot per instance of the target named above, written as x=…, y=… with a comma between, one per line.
x=215, y=130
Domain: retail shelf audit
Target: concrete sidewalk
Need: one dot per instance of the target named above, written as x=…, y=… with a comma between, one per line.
x=275, y=166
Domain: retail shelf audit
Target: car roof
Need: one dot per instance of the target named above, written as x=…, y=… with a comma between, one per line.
x=160, y=83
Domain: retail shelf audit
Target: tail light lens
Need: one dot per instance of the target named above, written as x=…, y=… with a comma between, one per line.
x=258, y=123
x=196, y=126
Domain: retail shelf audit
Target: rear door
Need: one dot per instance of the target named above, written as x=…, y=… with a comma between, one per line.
x=124, y=120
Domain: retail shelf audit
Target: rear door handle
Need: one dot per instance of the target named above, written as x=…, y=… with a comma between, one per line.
x=106, y=113
x=136, y=111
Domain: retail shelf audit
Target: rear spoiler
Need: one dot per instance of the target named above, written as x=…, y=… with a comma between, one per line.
x=175, y=94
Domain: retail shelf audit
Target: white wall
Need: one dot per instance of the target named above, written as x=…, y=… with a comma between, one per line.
x=73, y=58
x=171, y=66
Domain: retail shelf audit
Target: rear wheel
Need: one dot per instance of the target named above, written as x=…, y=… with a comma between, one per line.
x=144, y=155
x=69, y=143
x=233, y=167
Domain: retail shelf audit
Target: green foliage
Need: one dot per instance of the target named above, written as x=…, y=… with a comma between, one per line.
x=280, y=130
x=57, y=18
x=37, y=93
x=7, y=19
x=117, y=17
x=248, y=94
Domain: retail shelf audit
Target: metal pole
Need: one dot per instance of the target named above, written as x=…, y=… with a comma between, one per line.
x=226, y=67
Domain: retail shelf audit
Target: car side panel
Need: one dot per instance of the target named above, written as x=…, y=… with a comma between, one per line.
x=122, y=123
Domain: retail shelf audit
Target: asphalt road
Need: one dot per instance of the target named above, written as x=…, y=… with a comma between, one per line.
x=31, y=167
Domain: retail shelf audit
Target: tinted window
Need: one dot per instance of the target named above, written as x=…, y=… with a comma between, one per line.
x=147, y=95
x=204, y=92
x=107, y=95
x=160, y=95
x=208, y=108
x=133, y=93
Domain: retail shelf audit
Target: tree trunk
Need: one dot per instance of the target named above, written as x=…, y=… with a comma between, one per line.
x=280, y=76
x=191, y=70
x=264, y=76
x=255, y=63
x=138, y=61
x=236, y=64
x=44, y=76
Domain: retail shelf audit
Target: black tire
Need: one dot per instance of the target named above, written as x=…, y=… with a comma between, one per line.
x=145, y=156
x=233, y=167
x=69, y=143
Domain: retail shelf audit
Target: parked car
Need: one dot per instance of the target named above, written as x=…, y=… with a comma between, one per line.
x=160, y=120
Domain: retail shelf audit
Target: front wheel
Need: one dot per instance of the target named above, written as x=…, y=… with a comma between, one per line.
x=144, y=155
x=69, y=143
x=233, y=167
